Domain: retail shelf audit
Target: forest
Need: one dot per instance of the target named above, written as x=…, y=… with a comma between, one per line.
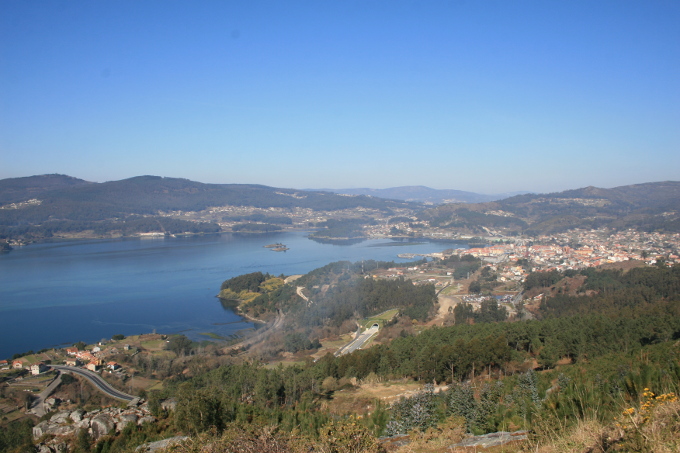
x=126, y=226
x=585, y=357
x=339, y=292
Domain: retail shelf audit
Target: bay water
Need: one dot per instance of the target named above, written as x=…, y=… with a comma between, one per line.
x=55, y=294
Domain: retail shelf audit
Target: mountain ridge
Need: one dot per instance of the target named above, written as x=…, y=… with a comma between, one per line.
x=425, y=194
x=653, y=206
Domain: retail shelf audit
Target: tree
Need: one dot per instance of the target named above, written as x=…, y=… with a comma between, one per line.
x=180, y=345
x=475, y=287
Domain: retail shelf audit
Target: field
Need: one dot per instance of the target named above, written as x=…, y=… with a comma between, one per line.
x=380, y=319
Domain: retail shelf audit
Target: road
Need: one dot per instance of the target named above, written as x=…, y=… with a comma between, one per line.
x=359, y=341
x=97, y=381
x=276, y=325
x=301, y=294
x=38, y=406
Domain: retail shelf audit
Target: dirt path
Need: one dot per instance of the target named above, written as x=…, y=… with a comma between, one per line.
x=446, y=302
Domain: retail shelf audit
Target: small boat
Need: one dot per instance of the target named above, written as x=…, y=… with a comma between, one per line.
x=272, y=246
x=283, y=248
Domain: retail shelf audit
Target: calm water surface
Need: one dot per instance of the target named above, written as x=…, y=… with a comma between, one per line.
x=54, y=294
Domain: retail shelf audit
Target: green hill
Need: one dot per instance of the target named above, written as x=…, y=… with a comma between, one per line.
x=40, y=206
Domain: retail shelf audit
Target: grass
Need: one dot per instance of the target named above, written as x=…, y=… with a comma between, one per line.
x=153, y=344
x=156, y=386
x=454, y=289
x=652, y=426
x=381, y=319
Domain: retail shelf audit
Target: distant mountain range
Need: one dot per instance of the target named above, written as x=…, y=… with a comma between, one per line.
x=41, y=206
x=650, y=207
x=150, y=194
x=423, y=194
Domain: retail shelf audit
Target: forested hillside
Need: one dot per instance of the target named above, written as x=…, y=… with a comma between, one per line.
x=608, y=350
x=337, y=292
x=647, y=207
x=591, y=356
x=42, y=206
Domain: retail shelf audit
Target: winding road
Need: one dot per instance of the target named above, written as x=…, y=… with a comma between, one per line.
x=97, y=381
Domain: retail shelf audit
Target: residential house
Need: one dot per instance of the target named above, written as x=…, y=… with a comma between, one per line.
x=38, y=368
x=73, y=362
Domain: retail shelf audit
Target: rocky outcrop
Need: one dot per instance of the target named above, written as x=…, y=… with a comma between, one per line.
x=101, y=425
x=473, y=443
x=125, y=420
x=77, y=415
x=492, y=439
x=161, y=444
x=169, y=404
x=98, y=423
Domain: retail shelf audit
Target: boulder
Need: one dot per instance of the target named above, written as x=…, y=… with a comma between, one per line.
x=60, y=417
x=42, y=448
x=101, y=425
x=83, y=424
x=169, y=405
x=77, y=415
x=124, y=420
x=146, y=419
x=161, y=444
x=62, y=430
x=40, y=429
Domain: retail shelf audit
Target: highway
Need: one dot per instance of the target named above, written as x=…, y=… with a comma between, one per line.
x=359, y=341
x=97, y=381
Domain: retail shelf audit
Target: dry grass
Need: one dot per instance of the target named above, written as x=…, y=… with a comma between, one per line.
x=438, y=439
x=361, y=400
x=653, y=427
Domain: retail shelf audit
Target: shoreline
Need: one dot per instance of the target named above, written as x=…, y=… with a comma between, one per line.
x=129, y=285
x=236, y=307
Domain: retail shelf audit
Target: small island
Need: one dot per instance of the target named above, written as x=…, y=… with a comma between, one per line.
x=278, y=247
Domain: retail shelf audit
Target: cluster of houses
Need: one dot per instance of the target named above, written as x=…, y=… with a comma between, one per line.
x=90, y=359
x=35, y=368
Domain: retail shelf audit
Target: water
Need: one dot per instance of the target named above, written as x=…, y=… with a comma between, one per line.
x=55, y=294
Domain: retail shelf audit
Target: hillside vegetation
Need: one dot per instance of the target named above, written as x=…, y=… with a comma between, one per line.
x=647, y=207
x=42, y=206
x=598, y=371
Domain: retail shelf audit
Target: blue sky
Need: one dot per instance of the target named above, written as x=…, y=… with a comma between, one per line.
x=485, y=96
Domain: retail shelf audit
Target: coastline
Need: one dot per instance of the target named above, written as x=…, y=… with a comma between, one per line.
x=235, y=305
x=86, y=289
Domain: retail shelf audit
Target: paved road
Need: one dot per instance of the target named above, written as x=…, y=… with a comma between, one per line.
x=359, y=341
x=97, y=381
x=38, y=406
